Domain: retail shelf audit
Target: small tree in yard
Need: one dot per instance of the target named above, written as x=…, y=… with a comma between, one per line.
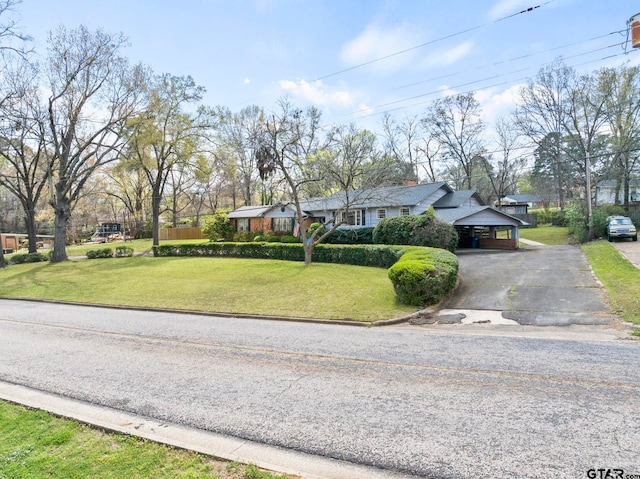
x=218, y=227
x=290, y=145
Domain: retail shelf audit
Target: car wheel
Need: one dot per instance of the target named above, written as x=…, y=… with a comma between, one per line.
x=609, y=238
x=635, y=238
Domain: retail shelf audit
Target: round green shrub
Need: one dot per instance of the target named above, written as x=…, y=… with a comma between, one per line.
x=272, y=239
x=289, y=239
x=424, y=277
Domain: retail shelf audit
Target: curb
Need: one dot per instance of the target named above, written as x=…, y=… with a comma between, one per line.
x=340, y=322
x=217, y=445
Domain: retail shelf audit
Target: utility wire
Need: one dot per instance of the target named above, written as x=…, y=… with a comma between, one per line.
x=477, y=89
x=502, y=62
x=446, y=37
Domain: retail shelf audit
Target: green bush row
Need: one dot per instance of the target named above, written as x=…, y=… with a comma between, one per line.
x=351, y=236
x=23, y=258
x=370, y=255
x=420, y=275
x=121, y=252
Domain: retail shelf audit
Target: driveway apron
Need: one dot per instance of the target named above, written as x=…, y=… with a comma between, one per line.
x=536, y=285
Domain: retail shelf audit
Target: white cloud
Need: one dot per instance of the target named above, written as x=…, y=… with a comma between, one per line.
x=246, y=81
x=317, y=93
x=496, y=104
x=448, y=57
x=377, y=42
x=506, y=7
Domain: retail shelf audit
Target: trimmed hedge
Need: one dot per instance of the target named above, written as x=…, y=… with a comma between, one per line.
x=420, y=275
x=100, y=253
x=351, y=236
x=424, y=276
x=23, y=258
x=370, y=255
x=123, y=252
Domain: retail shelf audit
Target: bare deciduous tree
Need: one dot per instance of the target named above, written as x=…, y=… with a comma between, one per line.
x=93, y=93
x=541, y=116
x=23, y=148
x=455, y=123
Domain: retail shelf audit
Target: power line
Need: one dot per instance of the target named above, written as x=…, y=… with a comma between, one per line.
x=481, y=80
x=446, y=37
x=502, y=62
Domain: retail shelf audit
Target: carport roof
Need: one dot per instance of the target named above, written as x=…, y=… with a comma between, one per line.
x=478, y=216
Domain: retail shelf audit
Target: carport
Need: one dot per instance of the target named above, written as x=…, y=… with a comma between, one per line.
x=477, y=226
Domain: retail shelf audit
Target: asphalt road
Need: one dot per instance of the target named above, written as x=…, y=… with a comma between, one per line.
x=400, y=398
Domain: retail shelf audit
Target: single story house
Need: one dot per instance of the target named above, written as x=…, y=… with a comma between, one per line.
x=277, y=218
x=606, y=192
x=465, y=210
x=518, y=204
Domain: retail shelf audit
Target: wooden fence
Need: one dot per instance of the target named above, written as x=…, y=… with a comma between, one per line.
x=180, y=234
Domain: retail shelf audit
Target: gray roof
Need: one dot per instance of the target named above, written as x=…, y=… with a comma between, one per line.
x=451, y=215
x=376, y=197
x=524, y=198
x=456, y=199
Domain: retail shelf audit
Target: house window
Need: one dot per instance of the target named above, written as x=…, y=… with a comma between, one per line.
x=242, y=224
x=282, y=225
x=355, y=217
x=382, y=213
x=404, y=211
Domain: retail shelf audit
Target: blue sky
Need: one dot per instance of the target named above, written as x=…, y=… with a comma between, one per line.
x=256, y=51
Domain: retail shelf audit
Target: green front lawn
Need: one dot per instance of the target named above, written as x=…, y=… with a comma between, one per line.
x=37, y=445
x=223, y=285
x=546, y=234
x=619, y=276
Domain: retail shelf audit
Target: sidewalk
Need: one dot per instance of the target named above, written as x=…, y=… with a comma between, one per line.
x=630, y=250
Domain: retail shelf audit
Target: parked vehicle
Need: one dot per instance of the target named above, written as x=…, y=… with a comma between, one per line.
x=621, y=227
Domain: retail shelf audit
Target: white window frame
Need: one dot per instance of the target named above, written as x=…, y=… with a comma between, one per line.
x=242, y=225
x=284, y=219
x=405, y=211
x=381, y=213
x=356, y=217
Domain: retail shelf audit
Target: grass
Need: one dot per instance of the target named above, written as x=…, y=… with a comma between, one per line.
x=222, y=285
x=619, y=276
x=546, y=234
x=35, y=444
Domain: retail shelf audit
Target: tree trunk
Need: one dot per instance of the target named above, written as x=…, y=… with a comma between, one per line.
x=30, y=223
x=308, y=252
x=626, y=194
x=155, y=213
x=62, y=215
x=3, y=263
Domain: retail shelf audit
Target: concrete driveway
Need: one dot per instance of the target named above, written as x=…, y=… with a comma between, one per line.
x=629, y=249
x=536, y=285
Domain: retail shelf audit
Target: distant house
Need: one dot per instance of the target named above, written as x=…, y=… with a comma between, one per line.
x=518, y=204
x=277, y=218
x=606, y=192
x=465, y=210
